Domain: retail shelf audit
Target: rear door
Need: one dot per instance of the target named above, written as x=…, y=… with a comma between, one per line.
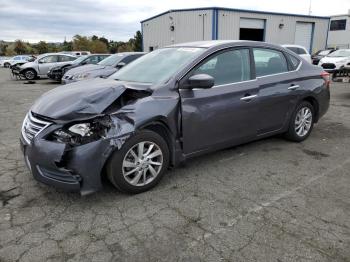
x=278, y=88
x=226, y=113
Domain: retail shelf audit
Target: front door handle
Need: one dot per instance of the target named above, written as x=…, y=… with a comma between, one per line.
x=247, y=98
x=293, y=87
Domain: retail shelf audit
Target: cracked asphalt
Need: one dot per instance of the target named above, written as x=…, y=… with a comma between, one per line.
x=270, y=200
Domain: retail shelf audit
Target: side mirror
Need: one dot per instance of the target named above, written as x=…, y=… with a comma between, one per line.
x=203, y=81
x=40, y=62
x=120, y=65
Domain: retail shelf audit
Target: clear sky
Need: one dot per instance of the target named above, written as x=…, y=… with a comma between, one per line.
x=53, y=20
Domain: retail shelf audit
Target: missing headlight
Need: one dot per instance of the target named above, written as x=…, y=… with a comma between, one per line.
x=82, y=133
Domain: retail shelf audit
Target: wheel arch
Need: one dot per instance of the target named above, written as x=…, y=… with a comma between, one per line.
x=160, y=127
x=313, y=101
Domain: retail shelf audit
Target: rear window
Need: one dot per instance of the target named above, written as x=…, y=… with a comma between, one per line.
x=269, y=62
x=297, y=50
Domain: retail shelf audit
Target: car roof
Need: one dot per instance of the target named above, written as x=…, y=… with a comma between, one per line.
x=225, y=43
x=46, y=54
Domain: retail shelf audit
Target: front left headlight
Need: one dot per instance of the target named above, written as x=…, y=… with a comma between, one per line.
x=82, y=133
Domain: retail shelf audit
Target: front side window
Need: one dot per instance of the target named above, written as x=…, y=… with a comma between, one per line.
x=338, y=25
x=228, y=67
x=157, y=66
x=49, y=59
x=269, y=62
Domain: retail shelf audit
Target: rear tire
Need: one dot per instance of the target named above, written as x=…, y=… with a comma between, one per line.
x=140, y=164
x=301, y=122
x=30, y=74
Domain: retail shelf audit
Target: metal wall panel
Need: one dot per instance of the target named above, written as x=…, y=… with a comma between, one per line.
x=188, y=26
x=229, y=27
x=340, y=38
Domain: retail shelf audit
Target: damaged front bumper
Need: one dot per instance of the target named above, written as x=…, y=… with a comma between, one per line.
x=71, y=168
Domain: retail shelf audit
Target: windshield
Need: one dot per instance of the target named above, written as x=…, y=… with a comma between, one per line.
x=112, y=60
x=340, y=53
x=157, y=66
x=79, y=60
x=324, y=52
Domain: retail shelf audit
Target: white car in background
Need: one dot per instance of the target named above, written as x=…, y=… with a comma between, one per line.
x=41, y=66
x=18, y=59
x=299, y=50
x=339, y=59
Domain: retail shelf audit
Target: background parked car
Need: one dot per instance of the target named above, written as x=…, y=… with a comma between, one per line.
x=320, y=54
x=104, y=68
x=18, y=59
x=56, y=73
x=299, y=50
x=76, y=53
x=336, y=60
x=41, y=66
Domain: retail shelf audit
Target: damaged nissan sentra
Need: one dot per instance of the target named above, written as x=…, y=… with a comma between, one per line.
x=171, y=104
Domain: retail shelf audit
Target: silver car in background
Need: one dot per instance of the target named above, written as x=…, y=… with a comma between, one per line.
x=41, y=66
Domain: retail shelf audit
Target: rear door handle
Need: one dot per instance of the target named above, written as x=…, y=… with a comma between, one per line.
x=293, y=87
x=248, y=97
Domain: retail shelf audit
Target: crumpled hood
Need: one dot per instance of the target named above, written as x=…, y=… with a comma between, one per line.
x=87, y=69
x=80, y=100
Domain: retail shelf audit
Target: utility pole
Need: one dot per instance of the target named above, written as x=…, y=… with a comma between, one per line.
x=310, y=8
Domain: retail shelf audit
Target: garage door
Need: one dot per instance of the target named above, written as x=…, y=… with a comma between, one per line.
x=252, y=23
x=303, y=35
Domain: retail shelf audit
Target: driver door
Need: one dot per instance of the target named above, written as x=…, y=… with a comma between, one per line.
x=46, y=63
x=226, y=113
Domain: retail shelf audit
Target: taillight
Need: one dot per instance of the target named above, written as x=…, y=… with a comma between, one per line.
x=326, y=77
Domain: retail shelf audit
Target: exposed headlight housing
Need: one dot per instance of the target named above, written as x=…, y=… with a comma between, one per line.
x=82, y=129
x=82, y=133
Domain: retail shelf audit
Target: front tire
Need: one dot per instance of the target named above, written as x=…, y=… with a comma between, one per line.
x=301, y=122
x=30, y=74
x=140, y=164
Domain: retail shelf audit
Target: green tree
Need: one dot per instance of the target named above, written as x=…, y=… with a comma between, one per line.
x=42, y=47
x=137, y=41
x=81, y=43
x=20, y=47
x=98, y=46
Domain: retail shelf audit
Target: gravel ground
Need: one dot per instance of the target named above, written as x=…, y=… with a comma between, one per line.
x=270, y=200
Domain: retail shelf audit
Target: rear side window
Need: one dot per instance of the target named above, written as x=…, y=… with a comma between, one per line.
x=297, y=50
x=294, y=61
x=228, y=67
x=65, y=58
x=269, y=62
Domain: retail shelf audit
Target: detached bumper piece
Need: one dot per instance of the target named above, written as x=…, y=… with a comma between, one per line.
x=16, y=72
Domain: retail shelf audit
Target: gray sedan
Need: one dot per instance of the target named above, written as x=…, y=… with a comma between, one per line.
x=168, y=106
x=104, y=68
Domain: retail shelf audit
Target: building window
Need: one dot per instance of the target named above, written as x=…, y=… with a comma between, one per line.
x=338, y=25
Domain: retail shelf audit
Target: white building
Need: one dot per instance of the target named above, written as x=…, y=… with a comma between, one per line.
x=339, y=31
x=185, y=25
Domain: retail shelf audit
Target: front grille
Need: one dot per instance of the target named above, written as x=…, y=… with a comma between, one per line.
x=328, y=65
x=32, y=126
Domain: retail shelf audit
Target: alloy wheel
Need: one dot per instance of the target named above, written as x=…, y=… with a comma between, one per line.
x=303, y=121
x=29, y=75
x=142, y=163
